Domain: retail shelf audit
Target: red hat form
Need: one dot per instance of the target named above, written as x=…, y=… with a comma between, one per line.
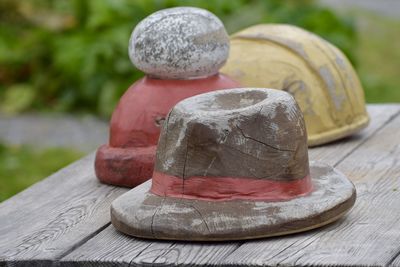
x=180, y=50
x=233, y=164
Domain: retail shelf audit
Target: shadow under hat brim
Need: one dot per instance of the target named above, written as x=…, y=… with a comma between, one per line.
x=143, y=214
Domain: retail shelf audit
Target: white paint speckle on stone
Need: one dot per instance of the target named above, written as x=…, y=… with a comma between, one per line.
x=179, y=43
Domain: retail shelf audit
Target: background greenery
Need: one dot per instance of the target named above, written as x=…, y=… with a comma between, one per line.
x=378, y=56
x=71, y=56
x=22, y=166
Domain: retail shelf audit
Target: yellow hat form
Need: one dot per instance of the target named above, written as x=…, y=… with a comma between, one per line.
x=315, y=72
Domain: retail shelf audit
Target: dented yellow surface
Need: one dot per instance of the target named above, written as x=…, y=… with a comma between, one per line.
x=315, y=72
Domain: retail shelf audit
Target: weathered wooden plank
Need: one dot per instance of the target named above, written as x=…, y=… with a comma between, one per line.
x=115, y=245
x=113, y=248
x=368, y=236
x=125, y=250
x=396, y=260
x=43, y=223
x=185, y=254
x=330, y=153
x=46, y=221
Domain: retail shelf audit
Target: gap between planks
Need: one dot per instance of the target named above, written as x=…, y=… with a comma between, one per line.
x=378, y=186
x=391, y=118
x=166, y=248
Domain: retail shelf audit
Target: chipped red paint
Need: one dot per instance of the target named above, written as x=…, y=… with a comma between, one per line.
x=228, y=188
x=124, y=166
x=136, y=123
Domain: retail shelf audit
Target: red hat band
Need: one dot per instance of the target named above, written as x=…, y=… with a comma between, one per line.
x=228, y=188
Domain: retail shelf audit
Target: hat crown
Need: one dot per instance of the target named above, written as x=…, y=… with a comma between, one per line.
x=245, y=133
x=179, y=43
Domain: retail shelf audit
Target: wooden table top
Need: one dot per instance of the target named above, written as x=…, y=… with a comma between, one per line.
x=64, y=220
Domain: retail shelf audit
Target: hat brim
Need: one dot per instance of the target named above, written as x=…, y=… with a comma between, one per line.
x=143, y=214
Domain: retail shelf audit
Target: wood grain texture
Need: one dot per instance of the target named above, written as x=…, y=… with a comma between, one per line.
x=368, y=236
x=333, y=153
x=217, y=133
x=204, y=254
x=396, y=260
x=51, y=218
x=112, y=248
x=63, y=214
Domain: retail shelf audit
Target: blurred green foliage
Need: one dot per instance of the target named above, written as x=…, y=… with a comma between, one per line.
x=21, y=166
x=378, y=57
x=71, y=55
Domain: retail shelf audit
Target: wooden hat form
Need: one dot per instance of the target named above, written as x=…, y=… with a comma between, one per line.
x=317, y=74
x=233, y=164
x=180, y=50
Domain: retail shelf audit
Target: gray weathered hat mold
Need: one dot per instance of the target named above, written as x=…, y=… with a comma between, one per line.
x=249, y=133
x=179, y=43
x=143, y=214
x=217, y=133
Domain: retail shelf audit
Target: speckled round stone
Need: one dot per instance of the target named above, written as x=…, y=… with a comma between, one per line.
x=179, y=43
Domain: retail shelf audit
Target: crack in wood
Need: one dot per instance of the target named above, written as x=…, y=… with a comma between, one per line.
x=244, y=153
x=166, y=128
x=201, y=216
x=166, y=251
x=263, y=143
x=119, y=251
x=184, y=169
x=82, y=242
x=209, y=166
x=154, y=215
x=131, y=262
x=397, y=254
